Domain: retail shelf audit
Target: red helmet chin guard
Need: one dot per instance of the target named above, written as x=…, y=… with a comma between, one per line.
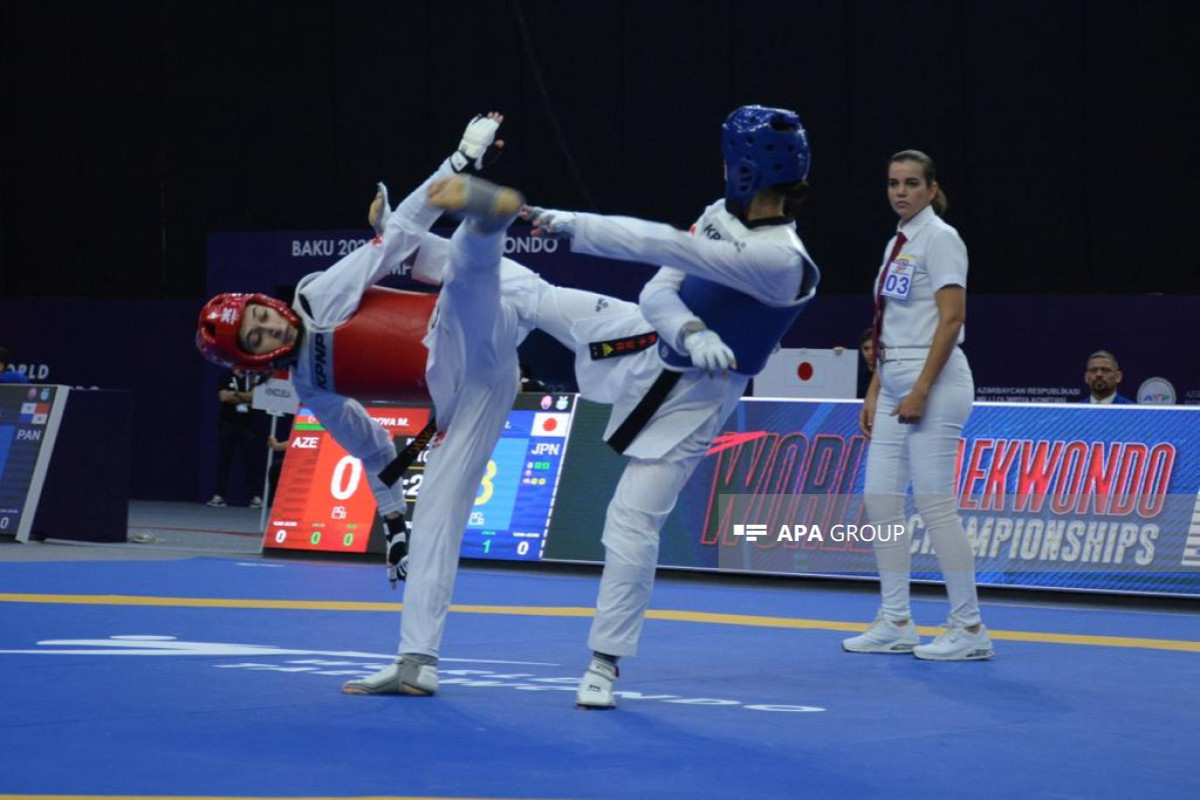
x=219, y=324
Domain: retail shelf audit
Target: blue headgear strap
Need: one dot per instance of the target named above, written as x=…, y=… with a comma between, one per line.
x=762, y=147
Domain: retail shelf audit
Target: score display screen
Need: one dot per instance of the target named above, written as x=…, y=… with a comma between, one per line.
x=29, y=417
x=323, y=501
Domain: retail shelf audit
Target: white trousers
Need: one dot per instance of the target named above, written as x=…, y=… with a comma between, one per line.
x=644, y=498
x=923, y=455
x=473, y=378
x=486, y=308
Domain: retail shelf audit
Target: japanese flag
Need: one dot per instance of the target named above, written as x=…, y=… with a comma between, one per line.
x=551, y=424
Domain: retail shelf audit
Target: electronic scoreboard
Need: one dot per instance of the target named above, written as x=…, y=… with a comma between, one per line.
x=29, y=420
x=323, y=501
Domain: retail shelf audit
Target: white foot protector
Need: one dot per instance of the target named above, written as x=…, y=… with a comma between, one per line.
x=596, y=686
x=399, y=677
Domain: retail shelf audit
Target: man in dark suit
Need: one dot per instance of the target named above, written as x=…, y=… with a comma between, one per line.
x=1102, y=376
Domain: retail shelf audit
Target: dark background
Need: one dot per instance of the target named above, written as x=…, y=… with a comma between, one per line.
x=1062, y=130
x=130, y=132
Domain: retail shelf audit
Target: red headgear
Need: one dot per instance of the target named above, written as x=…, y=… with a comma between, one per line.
x=220, y=321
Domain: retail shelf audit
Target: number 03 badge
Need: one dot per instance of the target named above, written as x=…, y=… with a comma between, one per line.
x=898, y=281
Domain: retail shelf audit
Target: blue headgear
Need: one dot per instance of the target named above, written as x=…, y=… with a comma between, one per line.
x=762, y=147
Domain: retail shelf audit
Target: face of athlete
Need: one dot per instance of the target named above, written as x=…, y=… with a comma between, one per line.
x=1102, y=376
x=264, y=329
x=907, y=189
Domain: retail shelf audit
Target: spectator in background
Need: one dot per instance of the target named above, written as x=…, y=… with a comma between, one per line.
x=530, y=383
x=1102, y=376
x=279, y=450
x=236, y=431
x=8, y=373
x=866, y=367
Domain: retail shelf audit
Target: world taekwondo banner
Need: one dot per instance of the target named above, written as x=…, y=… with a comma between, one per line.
x=1097, y=498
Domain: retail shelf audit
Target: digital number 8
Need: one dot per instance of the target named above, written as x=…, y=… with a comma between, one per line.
x=486, y=487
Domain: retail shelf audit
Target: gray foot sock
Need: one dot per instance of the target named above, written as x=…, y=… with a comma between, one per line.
x=489, y=207
x=420, y=659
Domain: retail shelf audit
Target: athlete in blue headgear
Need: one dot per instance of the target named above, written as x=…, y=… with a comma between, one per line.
x=726, y=296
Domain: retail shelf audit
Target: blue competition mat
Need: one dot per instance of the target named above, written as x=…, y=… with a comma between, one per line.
x=221, y=678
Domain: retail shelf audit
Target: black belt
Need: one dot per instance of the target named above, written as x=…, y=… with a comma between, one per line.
x=394, y=470
x=625, y=346
x=644, y=410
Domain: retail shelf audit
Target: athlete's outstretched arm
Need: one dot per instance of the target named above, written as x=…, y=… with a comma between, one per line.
x=767, y=271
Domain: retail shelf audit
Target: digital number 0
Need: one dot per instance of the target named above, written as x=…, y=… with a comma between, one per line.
x=341, y=486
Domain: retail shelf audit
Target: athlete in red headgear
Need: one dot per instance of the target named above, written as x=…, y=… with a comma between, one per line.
x=344, y=337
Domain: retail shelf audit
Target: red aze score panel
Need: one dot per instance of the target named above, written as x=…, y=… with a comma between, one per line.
x=323, y=501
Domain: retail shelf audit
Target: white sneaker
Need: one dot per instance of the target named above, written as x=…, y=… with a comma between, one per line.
x=884, y=636
x=596, y=685
x=256, y=502
x=957, y=644
x=216, y=501
x=399, y=677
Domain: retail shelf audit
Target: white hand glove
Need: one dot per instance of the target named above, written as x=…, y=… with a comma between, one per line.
x=708, y=352
x=477, y=138
x=380, y=209
x=550, y=222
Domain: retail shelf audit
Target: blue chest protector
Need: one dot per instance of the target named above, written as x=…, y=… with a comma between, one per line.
x=750, y=328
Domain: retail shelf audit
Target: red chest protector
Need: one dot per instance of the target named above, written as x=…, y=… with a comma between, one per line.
x=377, y=353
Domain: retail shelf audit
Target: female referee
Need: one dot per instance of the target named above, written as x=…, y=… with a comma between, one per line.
x=914, y=412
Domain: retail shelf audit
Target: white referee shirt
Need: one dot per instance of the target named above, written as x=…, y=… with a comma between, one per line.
x=933, y=257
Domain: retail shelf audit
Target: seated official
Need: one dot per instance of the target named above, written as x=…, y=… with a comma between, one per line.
x=1102, y=376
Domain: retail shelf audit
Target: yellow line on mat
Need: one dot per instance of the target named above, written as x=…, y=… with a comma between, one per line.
x=745, y=620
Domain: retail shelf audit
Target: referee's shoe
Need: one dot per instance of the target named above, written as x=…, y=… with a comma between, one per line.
x=884, y=636
x=957, y=643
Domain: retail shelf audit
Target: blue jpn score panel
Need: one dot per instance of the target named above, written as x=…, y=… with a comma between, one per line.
x=512, y=509
x=29, y=419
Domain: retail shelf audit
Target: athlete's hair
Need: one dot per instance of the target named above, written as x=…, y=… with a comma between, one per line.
x=865, y=336
x=5, y=357
x=940, y=203
x=793, y=195
x=1108, y=355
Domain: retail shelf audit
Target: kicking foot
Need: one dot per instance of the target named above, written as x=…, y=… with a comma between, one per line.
x=489, y=207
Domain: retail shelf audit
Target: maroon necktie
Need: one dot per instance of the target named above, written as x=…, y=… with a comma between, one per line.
x=877, y=325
